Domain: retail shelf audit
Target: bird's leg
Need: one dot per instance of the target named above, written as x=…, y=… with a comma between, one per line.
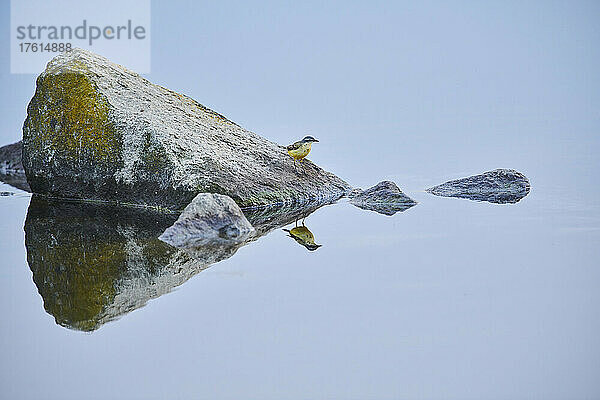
x=303, y=221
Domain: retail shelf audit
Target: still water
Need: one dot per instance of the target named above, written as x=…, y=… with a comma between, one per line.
x=450, y=298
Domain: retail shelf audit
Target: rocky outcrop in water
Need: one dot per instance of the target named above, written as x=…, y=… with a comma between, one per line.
x=209, y=217
x=497, y=186
x=93, y=263
x=95, y=130
x=11, y=167
x=10, y=158
x=383, y=198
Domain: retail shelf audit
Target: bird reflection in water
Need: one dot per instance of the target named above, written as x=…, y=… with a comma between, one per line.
x=303, y=236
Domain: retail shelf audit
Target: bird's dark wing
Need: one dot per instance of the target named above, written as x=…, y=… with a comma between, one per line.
x=294, y=146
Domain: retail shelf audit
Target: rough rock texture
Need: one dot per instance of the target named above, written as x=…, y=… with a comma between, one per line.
x=17, y=180
x=497, y=186
x=93, y=263
x=95, y=130
x=209, y=217
x=10, y=158
x=384, y=198
x=11, y=167
x=355, y=192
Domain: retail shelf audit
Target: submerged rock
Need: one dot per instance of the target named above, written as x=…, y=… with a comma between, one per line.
x=11, y=167
x=383, y=198
x=497, y=186
x=209, y=217
x=95, y=130
x=93, y=263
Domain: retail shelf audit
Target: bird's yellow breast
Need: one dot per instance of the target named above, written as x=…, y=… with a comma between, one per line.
x=303, y=234
x=301, y=151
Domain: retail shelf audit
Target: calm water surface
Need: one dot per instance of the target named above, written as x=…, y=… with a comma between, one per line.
x=448, y=299
x=451, y=299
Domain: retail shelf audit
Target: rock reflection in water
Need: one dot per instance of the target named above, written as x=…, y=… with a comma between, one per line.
x=93, y=263
x=385, y=209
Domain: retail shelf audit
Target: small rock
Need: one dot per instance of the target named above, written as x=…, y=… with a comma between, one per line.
x=209, y=217
x=10, y=158
x=383, y=198
x=11, y=167
x=497, y=186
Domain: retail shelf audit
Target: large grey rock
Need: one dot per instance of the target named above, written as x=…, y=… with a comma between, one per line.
x=209, y=217
x=112, y=262
x=497, y=186
x=383, y=198
x=11, y=166
x=95, y=130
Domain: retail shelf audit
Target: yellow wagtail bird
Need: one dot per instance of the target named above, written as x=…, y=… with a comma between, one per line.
x=303, y=236
x=301, y=148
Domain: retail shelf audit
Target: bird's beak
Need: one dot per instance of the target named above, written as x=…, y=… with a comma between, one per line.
x=315, y=140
